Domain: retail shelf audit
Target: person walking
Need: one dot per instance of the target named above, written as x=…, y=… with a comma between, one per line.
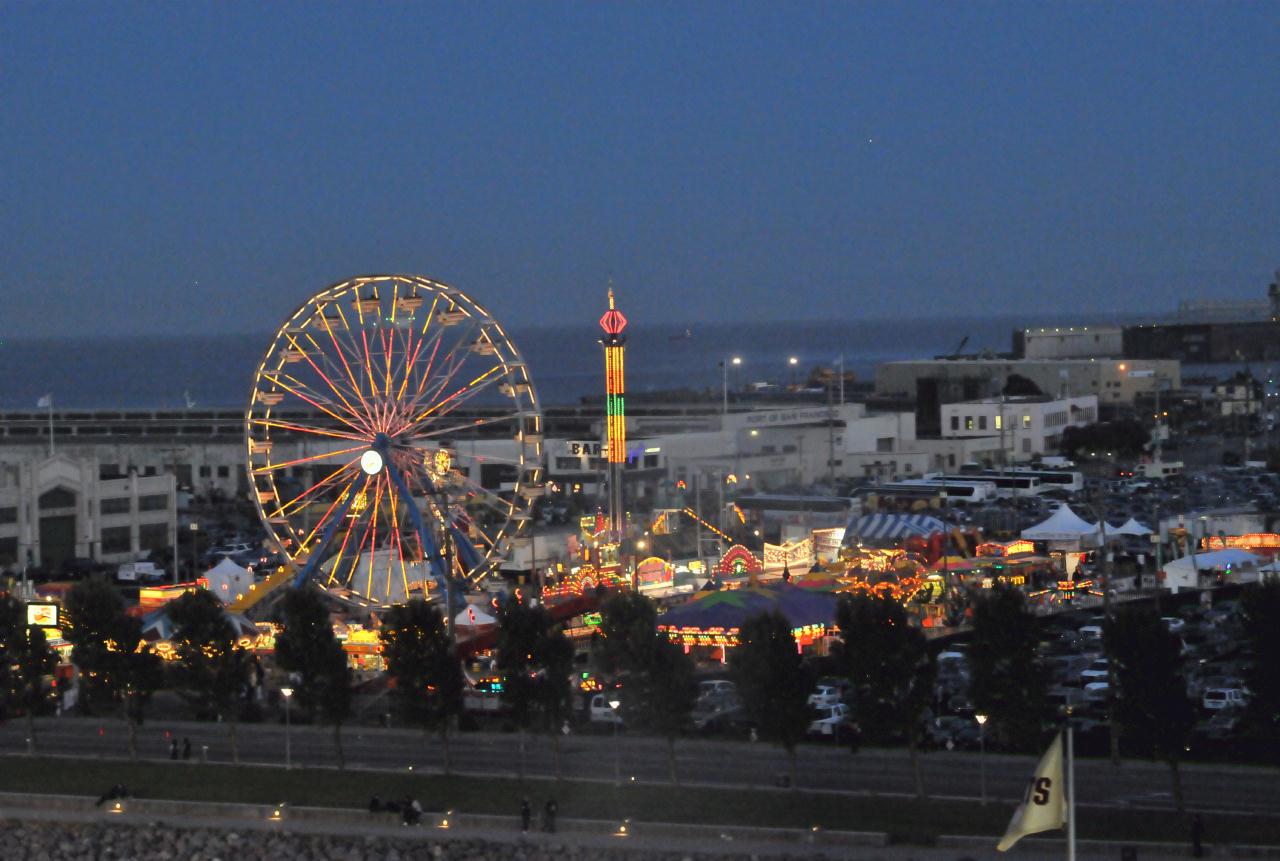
x=526, y=814
x=549, y=816
x=186, y=749
x=173, y=748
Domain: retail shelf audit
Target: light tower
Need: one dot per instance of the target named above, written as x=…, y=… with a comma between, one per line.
x=615, y=415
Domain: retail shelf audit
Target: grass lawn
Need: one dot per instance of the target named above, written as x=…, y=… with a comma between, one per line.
x=906, y=821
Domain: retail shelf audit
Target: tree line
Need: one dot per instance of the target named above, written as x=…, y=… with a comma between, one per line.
x=885, y=659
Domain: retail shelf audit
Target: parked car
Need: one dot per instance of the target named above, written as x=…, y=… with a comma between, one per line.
x=1174, y=624
x=1097, y=692
x=826, y=695
x=139, y=572
x=1098, y=671
x=960, y=731
x=716, y=688
x=599, y=711
x=1215, y=699
x=831, y=721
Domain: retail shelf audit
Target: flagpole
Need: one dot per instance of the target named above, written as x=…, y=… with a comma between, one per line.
x=1071, y=793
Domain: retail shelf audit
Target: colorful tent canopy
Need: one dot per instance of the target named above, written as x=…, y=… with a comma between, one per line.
x=729, y=608
x=878, y=526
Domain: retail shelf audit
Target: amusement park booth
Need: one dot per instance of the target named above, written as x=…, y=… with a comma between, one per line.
x=708, y=624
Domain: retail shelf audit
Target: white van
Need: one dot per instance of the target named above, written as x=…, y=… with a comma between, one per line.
x=139, y=572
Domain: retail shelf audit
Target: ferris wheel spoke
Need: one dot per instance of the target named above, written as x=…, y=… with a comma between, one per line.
x=327, y=482
x=346, y=537
x=272, y=467
x=324, y=518
x=462, y=394
x=324, y=357
x=454, y=358
x=295, y=387
x=268, y=423
x=464, y=426
x=342, y=353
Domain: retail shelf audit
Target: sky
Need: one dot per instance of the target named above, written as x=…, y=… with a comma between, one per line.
x=205, y=167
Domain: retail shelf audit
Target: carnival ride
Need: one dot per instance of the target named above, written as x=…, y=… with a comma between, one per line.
x=375, y=411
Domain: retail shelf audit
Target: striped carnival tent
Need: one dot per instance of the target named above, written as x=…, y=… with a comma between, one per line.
x=875, y=527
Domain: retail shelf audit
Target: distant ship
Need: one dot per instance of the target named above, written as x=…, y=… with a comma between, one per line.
x=688, y=334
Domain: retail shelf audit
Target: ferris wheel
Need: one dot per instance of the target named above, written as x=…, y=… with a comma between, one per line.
x=393, y=439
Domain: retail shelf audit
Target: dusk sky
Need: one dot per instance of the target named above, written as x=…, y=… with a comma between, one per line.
x=189, y=167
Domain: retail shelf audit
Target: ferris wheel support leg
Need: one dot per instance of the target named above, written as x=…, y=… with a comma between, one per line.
x=434, y=559
x=313, y=563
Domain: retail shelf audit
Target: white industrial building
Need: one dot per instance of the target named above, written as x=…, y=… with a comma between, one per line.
x=57, y=508
x=1025, y=428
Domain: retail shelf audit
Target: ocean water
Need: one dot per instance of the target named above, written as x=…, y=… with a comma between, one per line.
x=160, y=371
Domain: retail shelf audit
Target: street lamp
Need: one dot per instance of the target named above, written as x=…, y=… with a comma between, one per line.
x=614, y=702
x=287, y=693
x=982, y=755
x=724, y=367
x=793, y=361
x=195, y=529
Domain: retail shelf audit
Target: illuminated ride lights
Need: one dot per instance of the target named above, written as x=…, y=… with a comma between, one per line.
x=350, y=432
x=614, y=343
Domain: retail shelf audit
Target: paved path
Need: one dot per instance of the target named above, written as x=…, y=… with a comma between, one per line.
x=706, y=762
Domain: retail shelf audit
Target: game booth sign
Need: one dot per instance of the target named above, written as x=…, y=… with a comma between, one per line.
x=655, y=573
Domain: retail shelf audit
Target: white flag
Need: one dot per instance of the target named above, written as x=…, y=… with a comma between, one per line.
x=45, y=402
x=1044, y=807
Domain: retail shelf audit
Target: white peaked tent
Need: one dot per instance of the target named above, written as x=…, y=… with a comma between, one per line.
x=1063, y=525
x=473, y=617
x=1132, y=527
x=227, y=580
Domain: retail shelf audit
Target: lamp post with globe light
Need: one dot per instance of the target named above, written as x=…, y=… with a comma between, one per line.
x=724, y=367
x=287, y=693
x=614, y=702
x=982, y=755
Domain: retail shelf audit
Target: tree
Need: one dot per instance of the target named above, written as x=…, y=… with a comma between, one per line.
x=887, y=662
x=1151, y=702
x=520, y=628
x=116, y=666
x=28, y=661
x=212, y=669
x=306, y=646
x=553, y=655
x=428, y=675
x=660, y=682
x=1008, y=683
x=1261, y=605
x=773, y=681
x=1126, y=437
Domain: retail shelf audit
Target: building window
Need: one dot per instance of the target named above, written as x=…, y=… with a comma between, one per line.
x=1026, y=445
x=206, y=471
x=951, y=460
x=115, y=539
x=59, y=497
x=955, y=422
x=968, y=422
x=568, y=464
x=1026, y=421
x=149, y=471
x=153, y=536
x=884, y=443
x=224, y=471
x=999, y=422
x=8, y=551
x=982, y=422
x=153, y=502
x=650, y=461
x=115, y=505
x=108, y=471
x=9, y=515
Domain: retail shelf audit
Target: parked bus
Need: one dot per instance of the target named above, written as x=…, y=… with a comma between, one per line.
x=1007, y=483
x=1050, y=479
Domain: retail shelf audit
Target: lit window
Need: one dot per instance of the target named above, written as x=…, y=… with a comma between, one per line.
x=1026, y=421
x=999, y=422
